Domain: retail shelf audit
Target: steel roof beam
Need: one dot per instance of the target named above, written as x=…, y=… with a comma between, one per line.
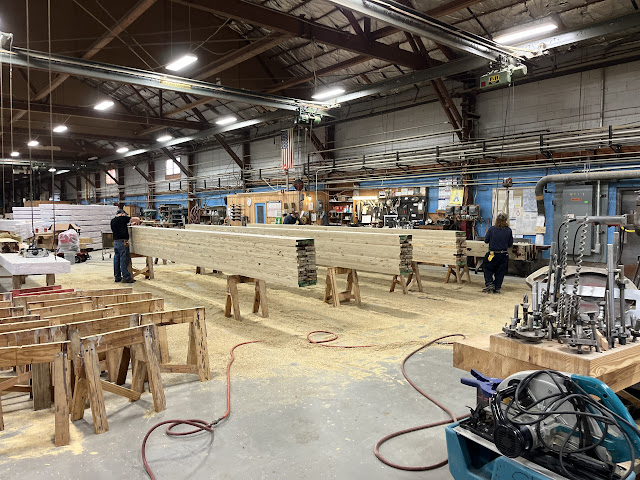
x=112, y=116
x=411, y=20
x=303, y=28
x=134, y=76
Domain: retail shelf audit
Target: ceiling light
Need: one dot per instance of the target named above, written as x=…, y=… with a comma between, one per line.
x=104, y=105
x=92, y=158
x=15, y=154
x=226, y=120
x=122, y=150
x=182, y=62
x=33, y=143
x=60, y=128
x=164, y=138
x=330, y=93
x=526, y=33
x=59, y=172
x=52, y=170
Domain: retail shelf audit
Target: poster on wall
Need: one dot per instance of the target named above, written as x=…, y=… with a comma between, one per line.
x=274, y=209
x=444, y=191
x=520, y=206
x=457, y=194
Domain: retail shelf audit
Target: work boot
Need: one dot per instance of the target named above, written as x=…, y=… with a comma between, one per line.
x=128, y=280
x=489, y=288
x=118, y=280
x=496, y=291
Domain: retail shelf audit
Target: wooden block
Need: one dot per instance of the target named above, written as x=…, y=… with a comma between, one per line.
x=79, y=398
x=61, y=393
x=41, y=384
x=118, y=390
x=201, y=348
x=96, y=399
x=138, y=375
x=153, y=368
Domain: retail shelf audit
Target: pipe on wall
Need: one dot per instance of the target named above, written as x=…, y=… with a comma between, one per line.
x=580, y=177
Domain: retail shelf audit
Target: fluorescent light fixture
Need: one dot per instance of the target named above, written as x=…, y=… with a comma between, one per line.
x=164, y=138
x=365, y=197
x=122, y=150
x=15, y=154
x=104, y=105
x=33, y=143
x=182, y=62
x=60, y=128
x=330, y=93
x=52, y=170
x=226, y=120
x=59, y=172
x=92, y=158
x=526, y=33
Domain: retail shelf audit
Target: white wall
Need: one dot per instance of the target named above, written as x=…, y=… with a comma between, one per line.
x=568, y=102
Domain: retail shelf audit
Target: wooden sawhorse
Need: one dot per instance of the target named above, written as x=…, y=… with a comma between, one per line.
x=331, y=293
x=147, y=270
x=458, y=271
x=232, y=304
x=406, y=283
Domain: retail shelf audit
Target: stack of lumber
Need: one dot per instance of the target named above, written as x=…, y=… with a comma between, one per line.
x=386, y=252
x=500, y=356
x=92, y=219
x=22, y=228
x=283, y=260
x=26, y=213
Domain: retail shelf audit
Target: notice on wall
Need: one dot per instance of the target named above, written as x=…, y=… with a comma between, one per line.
x=274, y=209
x=457, y=194
x=520, y=206
x=444, y=191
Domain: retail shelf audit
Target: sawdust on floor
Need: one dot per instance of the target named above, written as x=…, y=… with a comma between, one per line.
x=395, y=323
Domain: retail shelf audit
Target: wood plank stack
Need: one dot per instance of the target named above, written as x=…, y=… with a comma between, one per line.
x=92, y=219
x=282, y=260
x=500, y=356
x=359, y=249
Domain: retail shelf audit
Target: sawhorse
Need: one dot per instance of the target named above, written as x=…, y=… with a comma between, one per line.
x=147, y=270
x=331, y=293
x=232, y=304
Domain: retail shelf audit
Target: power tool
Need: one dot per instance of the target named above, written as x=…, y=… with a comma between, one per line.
x=543, y=424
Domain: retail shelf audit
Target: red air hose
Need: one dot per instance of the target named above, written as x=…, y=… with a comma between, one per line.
x=200, y=425
x=452, y=417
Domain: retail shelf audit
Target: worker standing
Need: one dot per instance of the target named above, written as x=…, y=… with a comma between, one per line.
x=292, y=219
x=121, y=257
x=496, y=261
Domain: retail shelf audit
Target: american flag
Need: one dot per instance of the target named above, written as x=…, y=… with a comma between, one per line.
x=286, y=143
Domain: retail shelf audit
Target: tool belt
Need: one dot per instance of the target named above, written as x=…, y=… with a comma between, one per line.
x=492, y=254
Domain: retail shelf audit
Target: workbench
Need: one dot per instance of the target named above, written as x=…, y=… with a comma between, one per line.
x=500, y=356
x=18, y=267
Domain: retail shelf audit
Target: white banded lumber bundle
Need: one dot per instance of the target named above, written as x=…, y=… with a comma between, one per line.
x=277, y=259
x=444, y=247
x=359, y=249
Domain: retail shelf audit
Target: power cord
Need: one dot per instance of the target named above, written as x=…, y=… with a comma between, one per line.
x=200, y=425
x=452, y=417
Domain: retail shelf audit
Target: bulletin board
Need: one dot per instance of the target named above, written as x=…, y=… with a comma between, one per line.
x=274, y=209
x=520, y=206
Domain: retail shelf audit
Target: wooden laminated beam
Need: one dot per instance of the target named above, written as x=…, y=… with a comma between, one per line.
x=388, y=253
x=274, y=259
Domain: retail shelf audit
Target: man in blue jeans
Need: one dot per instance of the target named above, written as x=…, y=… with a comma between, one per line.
x=121, y=258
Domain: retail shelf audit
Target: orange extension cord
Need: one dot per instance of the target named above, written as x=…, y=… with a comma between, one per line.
x=452, y=418
x=200, y=425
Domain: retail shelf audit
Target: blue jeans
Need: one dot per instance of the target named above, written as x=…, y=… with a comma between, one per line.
x=121, y=260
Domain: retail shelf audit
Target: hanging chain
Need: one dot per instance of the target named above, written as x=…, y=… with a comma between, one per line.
x=575, y=299
x=562, y=303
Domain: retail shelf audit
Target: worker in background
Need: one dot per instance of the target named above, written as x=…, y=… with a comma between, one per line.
x=121, y=257
x=292, y=219
x=496, y=261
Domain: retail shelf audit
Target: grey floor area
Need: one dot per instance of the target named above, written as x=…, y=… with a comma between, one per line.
x=294, y=428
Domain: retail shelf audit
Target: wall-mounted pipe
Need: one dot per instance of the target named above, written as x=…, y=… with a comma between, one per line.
x=580, y=177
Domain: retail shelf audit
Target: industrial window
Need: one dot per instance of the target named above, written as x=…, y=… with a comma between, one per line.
x=172, y=171
x=109, y=180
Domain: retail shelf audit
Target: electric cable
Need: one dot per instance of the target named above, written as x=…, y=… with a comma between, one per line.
x=452, y=417
x=584, y=408
x=199, y=425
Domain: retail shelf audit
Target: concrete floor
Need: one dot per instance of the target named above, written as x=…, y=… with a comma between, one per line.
x=300, y=428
